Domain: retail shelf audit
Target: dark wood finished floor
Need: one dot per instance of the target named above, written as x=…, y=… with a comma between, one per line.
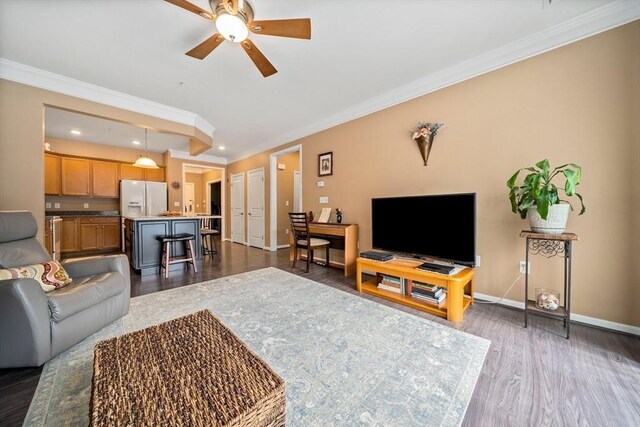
x=531, y=377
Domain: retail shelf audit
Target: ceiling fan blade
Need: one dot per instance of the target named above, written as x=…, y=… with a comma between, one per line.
x=266, y=68
x=193, y=9
x=206, y=47
x=295, y=28
x=231, y=6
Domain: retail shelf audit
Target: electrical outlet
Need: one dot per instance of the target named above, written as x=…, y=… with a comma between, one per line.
x=477, y=260
x=47, y=205
x=286, y=203
x=86, y=205
x=286, y=231
x=324, y=200
x=176, y=204
x=525, y=267
x=56, y=205
x=320, y=184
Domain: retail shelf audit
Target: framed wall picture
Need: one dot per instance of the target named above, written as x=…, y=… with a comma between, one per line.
x=325, y=164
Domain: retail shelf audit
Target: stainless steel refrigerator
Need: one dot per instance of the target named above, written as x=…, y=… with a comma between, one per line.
x=141, y=198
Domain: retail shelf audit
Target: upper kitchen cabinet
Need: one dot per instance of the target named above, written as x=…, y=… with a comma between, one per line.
x=128, y=171
x=154, y=174
x=52, y=181
x=135, y=173
x=105, y=179
x=76, y=177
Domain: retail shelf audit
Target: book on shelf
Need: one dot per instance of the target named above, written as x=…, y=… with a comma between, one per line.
x=426, y=286
x=432, y=294
x=393, y=279
x=389, y=288
x=435, y=300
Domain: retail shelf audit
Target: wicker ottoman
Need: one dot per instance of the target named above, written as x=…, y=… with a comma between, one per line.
x=191, y=371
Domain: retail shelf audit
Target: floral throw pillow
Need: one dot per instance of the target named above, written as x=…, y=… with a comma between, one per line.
x=50, y=275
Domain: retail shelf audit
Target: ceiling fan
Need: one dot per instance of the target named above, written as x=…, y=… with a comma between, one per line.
x=234, y=20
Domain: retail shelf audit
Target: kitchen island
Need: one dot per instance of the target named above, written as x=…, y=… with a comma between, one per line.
x=143, y=248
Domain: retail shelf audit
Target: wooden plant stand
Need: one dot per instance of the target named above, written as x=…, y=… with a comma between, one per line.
x=459, y=286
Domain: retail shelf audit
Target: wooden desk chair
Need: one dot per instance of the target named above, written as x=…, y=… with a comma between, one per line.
x=302, y=239
x=208, y=231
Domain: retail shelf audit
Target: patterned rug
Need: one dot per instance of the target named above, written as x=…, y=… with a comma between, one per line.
x=345, y=360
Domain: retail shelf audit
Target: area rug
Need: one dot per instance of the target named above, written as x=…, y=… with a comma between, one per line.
x=345, y=360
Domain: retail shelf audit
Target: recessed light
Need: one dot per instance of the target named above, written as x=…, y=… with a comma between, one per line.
x=75, y=132
x=135, y=142
x=221, y=147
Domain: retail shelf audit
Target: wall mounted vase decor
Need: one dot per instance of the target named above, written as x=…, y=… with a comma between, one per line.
x=423, y=136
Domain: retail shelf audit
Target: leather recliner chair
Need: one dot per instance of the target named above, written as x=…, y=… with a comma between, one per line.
x=36, y=326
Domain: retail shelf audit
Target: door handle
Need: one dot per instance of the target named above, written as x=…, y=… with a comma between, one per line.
x=249, y=213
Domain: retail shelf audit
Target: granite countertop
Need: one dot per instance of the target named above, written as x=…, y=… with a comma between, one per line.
x=82, y=213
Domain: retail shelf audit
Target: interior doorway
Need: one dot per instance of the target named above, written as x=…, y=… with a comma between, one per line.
x=201, y=178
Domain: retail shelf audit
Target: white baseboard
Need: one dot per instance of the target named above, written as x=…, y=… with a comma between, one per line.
x=587, y=320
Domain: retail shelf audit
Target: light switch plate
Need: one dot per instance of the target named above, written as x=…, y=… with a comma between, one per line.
x=320, y=183
x=86, y=205
x=477, y=260
x=176, y=204
x=286, y=203
x=324, y=200
x=56, y=205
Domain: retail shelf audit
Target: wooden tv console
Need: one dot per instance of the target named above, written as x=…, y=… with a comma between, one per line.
x=459, y=286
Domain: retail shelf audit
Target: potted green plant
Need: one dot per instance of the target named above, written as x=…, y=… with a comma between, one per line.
x=537, y=197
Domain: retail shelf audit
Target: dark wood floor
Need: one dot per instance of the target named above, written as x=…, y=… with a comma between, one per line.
x=531, y=377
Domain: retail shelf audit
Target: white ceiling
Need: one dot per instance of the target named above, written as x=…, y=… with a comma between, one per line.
x=60, y=123
x=360, y=50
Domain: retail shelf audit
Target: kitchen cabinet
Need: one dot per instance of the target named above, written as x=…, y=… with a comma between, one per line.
x=52, y=175
x=69, y=235
x=75, y=176
x=105, y=180
x=99, y=233
x=156, y=175
x=134, y=173
x=128, y=171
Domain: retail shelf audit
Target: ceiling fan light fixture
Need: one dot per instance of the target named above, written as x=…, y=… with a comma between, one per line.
x=232, y=28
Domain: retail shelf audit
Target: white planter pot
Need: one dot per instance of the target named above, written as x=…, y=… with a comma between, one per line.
x=556, y=220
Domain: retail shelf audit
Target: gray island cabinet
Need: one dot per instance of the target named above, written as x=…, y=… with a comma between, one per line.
x=143, y=247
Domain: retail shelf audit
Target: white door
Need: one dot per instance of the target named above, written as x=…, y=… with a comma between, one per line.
x=255, y=207
x=189, y=195
x=297, y=192
x=237, y=208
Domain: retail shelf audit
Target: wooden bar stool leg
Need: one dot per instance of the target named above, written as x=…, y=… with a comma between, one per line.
x=192, y=256
x=215, y=246
x=167, y=262
x=309, y=257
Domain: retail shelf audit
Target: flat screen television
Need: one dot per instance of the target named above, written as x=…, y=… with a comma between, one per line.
x=431, y=226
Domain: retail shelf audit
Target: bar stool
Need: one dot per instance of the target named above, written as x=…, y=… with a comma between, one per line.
x=209, y=232
x=166, y=259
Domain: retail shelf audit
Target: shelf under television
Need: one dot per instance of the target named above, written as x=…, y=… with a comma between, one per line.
x=459, y=286
x=371, y=287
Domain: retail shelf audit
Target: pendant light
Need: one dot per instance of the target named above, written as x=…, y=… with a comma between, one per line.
x=144, y=161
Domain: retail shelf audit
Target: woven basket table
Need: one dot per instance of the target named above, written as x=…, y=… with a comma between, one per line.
x=191, y=371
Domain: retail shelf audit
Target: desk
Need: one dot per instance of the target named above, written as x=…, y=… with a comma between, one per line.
x=341, y=236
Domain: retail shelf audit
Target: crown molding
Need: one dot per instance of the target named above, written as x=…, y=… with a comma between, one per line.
x=20, y=73
x=590, y=23
x=177, y=154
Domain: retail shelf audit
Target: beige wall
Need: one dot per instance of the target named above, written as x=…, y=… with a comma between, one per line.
x=100, y=151
x=578, y=103
x=285, y=193
x=22, y=139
